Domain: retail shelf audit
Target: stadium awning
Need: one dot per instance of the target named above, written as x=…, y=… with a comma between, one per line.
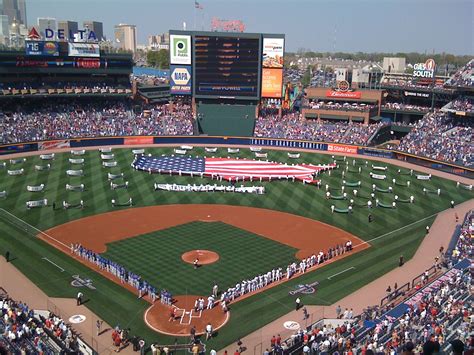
x=357, y=119
x=334, y=117
x=376, y=118
x=323, y=98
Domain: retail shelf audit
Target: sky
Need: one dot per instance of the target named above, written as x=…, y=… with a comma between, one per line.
x=319, y=25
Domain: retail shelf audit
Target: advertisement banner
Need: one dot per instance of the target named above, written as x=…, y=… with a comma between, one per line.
x=42, y=48
x=424, y=70
x=344, y=94
x=180, y=80
x=417, y=94
x=272, y=83
x=373, y=152
x=18, y=148
x=53, y=145
x=137, y=140
x=84, y=50
x=180, y=49
x=340, y=148
x=273, y=52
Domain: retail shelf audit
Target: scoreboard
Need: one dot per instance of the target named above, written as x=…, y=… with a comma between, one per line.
x=226, y=66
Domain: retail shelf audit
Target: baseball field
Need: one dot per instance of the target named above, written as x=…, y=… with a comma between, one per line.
x=251, y=234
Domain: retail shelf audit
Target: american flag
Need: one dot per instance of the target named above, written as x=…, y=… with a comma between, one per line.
x=228, y=168
x=198, y=5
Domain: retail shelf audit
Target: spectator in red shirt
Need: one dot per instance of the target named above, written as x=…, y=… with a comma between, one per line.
x=273, y=342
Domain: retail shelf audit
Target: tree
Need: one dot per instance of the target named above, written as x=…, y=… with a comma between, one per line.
x=158, y=59
x=163, y=59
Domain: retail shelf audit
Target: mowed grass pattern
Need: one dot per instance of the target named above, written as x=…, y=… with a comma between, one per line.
x=157, y=256
x=295, y=198
x=403, y=229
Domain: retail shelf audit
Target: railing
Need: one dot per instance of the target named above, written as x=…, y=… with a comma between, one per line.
x=431, y=271
x=400, y=292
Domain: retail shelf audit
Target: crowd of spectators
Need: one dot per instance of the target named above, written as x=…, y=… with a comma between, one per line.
x=463, y=246
x=464, y=77
x=441, y=137
x=413, y=84
x=22, y=331
x=63, y=87
x=438, y=317
x=71, y=119
x=295, y=126
x=146, y=79
x=464, y=104
x=404, y=107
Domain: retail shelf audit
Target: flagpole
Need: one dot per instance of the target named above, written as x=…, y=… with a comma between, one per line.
x=194, y=27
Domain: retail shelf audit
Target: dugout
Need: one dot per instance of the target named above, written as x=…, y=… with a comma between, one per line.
x=226, y=118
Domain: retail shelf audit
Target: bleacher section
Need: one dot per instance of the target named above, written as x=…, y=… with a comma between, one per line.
x=430, y=316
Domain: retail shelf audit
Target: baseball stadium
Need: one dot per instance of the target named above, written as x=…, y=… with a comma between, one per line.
x=226, y=207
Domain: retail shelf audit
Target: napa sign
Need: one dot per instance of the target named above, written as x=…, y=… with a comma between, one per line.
x=424, y=70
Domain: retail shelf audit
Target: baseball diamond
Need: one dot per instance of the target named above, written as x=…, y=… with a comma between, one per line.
x=150, y=240
x=222, y=192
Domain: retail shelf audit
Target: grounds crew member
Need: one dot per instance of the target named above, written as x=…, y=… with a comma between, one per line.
x=79, y=298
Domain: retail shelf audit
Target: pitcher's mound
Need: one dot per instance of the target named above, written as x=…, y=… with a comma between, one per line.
x=204, y=256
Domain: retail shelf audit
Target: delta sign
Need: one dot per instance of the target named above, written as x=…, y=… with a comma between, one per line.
x=60, y=34
x=424, y=70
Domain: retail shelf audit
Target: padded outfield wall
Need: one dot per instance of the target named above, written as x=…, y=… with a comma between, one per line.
x=131, y=141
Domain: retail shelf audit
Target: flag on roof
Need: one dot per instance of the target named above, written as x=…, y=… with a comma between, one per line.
x=227, y=168
x=198, y=5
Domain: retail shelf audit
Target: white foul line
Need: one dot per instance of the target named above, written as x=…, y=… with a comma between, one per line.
x=36, y=229
x=49, y=261
x=395, y=230
x=330, y=277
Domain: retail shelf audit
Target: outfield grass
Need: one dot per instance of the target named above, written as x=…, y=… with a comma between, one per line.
x=405, y=226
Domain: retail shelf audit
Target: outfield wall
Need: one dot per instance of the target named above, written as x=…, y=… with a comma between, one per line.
x=131, y=141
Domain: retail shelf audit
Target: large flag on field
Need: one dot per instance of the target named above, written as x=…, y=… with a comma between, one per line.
x=227, y=168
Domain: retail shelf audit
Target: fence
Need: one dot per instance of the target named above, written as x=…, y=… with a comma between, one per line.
x=392, y=296
x=431, y=272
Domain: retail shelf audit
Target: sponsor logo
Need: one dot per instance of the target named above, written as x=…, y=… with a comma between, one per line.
x=342, y=148
x=343, y=86
x=39, y=48
x=80, y=282
x=180, y=80
x=344, y=94
x=272, y=83
x=273, y=52
x=180, y=49
x=181, y=76
x=424, y=70
x=83, y=50
x=137, y=140
x=49, y=34
x=77, y=318
x=53, y=145
x=417, y=94
x=291, y=325
x=305, y=289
